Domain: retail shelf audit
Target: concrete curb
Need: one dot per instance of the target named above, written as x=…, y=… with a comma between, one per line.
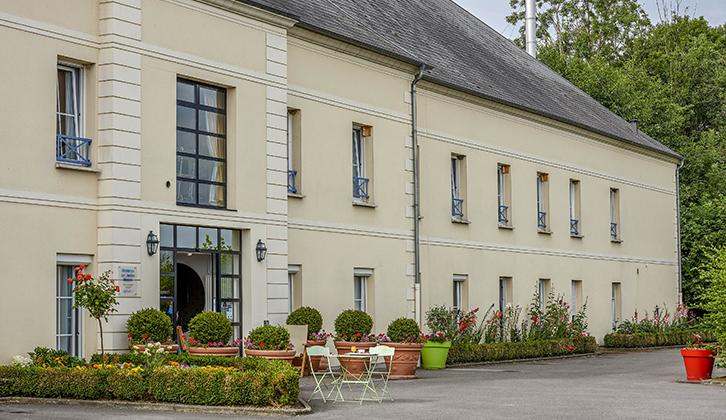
x=153, y=406
x=634, y=349
x=536, y=359
x=704, y=382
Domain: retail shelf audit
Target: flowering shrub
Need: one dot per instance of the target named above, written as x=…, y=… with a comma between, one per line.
x=352, y=323
x=404, y=330
x=268, y=337
x=148, y=324
x=358, y=338
x=436, y=338
x=98, y=296
x=454, y=324
x=555, y=321
x=21, y=361
x=660, y=321
x=322, y=336
x=208, y=328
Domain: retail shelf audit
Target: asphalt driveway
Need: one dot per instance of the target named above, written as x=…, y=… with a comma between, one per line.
x=640, y=385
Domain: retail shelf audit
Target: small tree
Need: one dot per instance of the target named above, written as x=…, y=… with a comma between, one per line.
x=98, y=296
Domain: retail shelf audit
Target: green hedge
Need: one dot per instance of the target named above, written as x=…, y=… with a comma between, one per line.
x=183, y=359
x=262, y=382
x=674, y=338
x=472, y=353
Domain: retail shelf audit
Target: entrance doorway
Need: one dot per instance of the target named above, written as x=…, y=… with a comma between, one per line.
x=200, y=271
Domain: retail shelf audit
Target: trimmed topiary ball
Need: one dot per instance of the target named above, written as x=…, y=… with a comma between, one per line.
x=210, y=327
x=351, y=322
x=148, y=322
x=403, y=330
x=269, y=337
x=306, y=316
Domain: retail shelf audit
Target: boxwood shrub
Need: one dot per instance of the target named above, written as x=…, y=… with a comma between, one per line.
x=472, y=353
x=306, y=315
x=640, y=340
x=182, y=359
x=148, y=322
x=261, y=382
x=351, y=322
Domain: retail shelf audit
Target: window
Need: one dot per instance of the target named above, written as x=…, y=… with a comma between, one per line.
x=505, y=292
x=362, y=168
x=294, y=180
x=543, y=202
x=70, y=144
x=617, y=306
x=68, y=321
x=294, y=299
x=458, y=187
x=459, y=292
x=576, y=297
x=361, y=289
x=543, y=293
x=504, y=190
x=200, y=145
x=575, y=208
x=614, y=215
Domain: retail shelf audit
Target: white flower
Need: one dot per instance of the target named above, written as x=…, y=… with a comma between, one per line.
x=22, y=361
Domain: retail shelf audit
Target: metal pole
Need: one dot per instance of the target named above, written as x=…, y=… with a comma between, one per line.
x=531, y=27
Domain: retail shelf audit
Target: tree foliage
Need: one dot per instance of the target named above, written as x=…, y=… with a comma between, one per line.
x=670, y=76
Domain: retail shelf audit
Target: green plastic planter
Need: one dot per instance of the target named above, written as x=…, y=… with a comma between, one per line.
x=434, y=354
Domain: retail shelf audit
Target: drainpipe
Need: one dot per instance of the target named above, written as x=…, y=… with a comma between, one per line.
x=678, y=216
x=416, y=216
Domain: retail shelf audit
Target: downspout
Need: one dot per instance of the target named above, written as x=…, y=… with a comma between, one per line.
x=678, y=217
x=416, y=215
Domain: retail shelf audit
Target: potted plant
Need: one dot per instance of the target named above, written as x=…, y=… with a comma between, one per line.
x=270, y=342
x=210, y=333
x=405, y=336
x=149, y=325
x=311, y=317
x=353, y=332
x=436, y=346
x=698, y=359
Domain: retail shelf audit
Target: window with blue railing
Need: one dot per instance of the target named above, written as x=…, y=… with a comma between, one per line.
x=575, y=224
x=362, y=164
x=504, y=214
x=294, y=176
x=71, y=146
x=458, y=188
x=543, y=202
x=615, y=215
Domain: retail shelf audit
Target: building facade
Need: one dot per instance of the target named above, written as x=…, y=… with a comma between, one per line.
x=218, y=125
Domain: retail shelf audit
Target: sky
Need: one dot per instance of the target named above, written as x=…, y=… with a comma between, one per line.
x=494, y=12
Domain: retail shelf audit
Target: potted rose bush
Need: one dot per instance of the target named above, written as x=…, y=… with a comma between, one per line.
x=699, y=358
x=210, y=333
x=442, y=324
x=405, y=336
x=269, y=342
x=149, y=326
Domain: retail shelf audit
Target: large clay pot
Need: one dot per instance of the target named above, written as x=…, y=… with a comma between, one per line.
x=214, y=351
x=170, y=348
x=405, y=360
x=286, y=355
x=355, y=366
x=315, y=360
x=699, y=363
x=434, y=354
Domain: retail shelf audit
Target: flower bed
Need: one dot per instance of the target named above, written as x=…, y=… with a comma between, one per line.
x=657, y=339
x=248, y=381
x=472, y=353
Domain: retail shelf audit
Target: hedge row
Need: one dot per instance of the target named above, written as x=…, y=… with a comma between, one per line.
x=674, y=338
x=182, y=359
x=262, y=383
x=471, y=353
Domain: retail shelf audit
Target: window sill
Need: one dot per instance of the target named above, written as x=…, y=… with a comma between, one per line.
x=463, y=222
x=576, y=236
x=369, y=205
x=71, y=166
x=544, y=232
x=506, y=227
x=295, y=195
x=617, y=241
x=198, y=206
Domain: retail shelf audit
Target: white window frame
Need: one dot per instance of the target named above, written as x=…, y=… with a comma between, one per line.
x=573, y=208
x=456, y=184
x=359, y=164
x=65, y=264
x=501, y=187
x=502, y=293
x=289, y=140
x=77, y=71
x=291, y=271
x=458, y=291
x=359, y=288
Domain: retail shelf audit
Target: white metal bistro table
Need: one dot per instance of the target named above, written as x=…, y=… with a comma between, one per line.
x=364, y=378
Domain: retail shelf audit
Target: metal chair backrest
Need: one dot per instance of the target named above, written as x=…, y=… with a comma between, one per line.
x=318, y=351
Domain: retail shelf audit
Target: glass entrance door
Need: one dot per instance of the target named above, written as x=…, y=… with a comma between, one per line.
x=200, y=270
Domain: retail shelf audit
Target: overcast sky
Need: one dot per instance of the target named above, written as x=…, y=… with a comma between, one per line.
x=494, y=12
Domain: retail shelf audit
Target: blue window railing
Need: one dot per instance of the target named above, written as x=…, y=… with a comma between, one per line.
x=72, y=149
x=360, y=187
x=573, y=227
x=613, y=230
x=503, y=214
x=542, y=219
x=456, y=207
x=291, y=181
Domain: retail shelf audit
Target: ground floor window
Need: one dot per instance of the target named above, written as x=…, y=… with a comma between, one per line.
x=69, y=335
x=359, y=293
x=200, y=271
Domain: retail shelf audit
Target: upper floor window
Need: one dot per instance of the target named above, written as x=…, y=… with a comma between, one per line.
x=201, y=144
x=362, y=168
x=575, y=208
x=614, y=214
x=543, y=202
x=293, y=152
x=70, y=144
x=504, y=190
x=458, y=187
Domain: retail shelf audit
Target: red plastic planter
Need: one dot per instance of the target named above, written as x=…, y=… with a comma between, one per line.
x=699, y=363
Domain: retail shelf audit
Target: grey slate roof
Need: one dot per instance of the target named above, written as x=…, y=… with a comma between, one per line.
x=465, y=53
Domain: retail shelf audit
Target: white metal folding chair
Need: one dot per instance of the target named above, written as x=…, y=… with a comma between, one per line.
x=384, y=351
x=320, y=376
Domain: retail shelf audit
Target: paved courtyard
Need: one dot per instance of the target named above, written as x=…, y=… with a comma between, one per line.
x=639, y=385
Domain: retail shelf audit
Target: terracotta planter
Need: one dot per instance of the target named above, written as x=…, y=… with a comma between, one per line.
x=405, y=360
x=354, y=366
x=315, y=360
x=286, y=355
x=214, y=351
x=699, y=363
x=170, y=348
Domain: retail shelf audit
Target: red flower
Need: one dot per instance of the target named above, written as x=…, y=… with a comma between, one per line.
x=80, y=277
x=535, y=319
x=209, y=343
x=118, y=289
x=184, y=336
x=569, y=348
x=83, y=266
x=70, y=280
x=262, y=344
x=129, y=335
x=78, y=268
x=146, y=336
x=88, y=277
